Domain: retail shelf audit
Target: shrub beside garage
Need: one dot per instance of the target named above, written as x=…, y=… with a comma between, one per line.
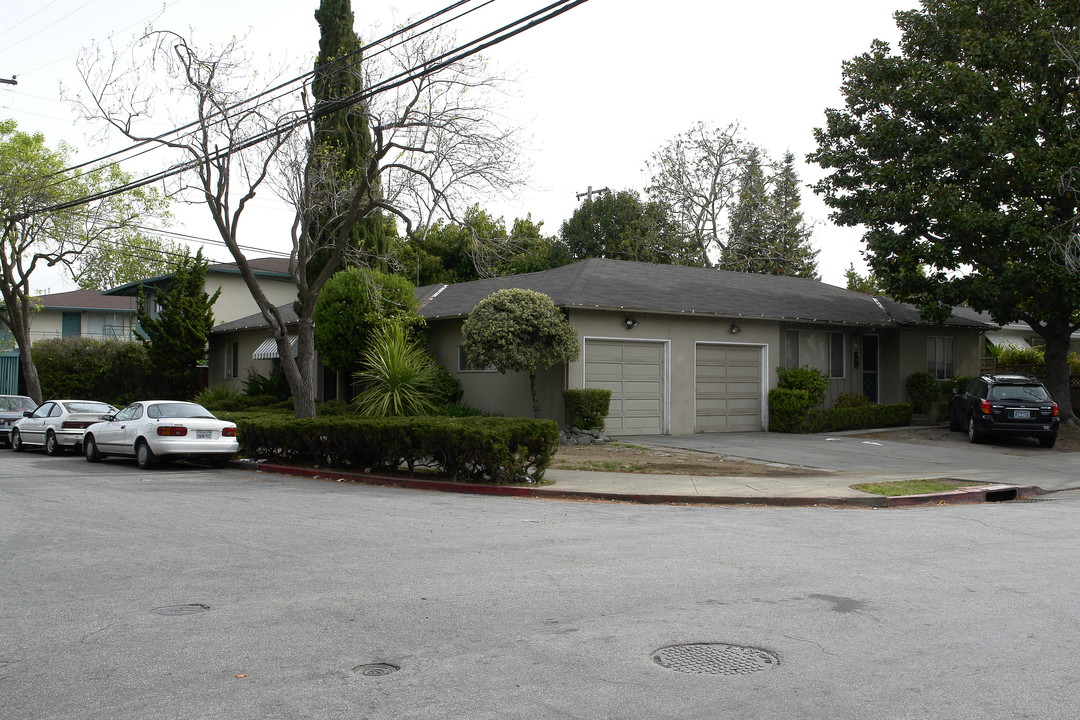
x=492, y=450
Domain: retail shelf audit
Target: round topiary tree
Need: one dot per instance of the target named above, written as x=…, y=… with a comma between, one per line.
x=518, y=330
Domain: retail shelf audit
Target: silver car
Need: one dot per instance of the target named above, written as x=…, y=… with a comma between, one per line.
x=12, y=408
x=153, y=430
x=57, y=425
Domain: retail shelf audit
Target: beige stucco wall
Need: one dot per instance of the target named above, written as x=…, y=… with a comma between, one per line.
x=506, y=394
x=249, y=340
x=681, y=336
x=235, y=300
x=909, y=349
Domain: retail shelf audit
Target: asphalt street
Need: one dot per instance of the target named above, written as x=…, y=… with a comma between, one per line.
x=490, y=607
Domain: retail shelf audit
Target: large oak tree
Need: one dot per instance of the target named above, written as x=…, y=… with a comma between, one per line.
x=954, y=153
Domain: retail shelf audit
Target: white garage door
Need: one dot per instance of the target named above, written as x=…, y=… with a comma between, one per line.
x=728, y=388
x=634, y=373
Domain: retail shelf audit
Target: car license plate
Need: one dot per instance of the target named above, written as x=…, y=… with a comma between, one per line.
x=203, y=434
x=1021, y=414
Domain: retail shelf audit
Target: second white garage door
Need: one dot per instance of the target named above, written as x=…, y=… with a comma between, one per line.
x=634, y=373
x=728, y=388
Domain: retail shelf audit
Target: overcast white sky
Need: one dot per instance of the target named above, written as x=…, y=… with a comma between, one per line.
x=601, y=87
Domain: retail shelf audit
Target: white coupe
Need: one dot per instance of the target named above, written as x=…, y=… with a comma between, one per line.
x=154, y=430
x=57, y=424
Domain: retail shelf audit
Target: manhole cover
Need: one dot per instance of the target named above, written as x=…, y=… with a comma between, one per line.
x=375, y=669
x=715, y=659
x=180, y=609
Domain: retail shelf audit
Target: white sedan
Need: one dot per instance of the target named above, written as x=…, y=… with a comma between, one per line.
x=57, y=424
x=155, y=430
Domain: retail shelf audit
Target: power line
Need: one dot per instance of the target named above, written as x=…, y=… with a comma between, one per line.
x=157, y=141
x=429, y=67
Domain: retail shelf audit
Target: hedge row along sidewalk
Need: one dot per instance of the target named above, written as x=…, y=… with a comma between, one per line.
x=488, y=450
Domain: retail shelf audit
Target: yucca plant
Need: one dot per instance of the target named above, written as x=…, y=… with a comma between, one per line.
x=399, y=378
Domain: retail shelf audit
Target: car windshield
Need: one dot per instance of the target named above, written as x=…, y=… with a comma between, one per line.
x=178, y=410
x=1020, y=393
x=87, y=407
x=15, y=403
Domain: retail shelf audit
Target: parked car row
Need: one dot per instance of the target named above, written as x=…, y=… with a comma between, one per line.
x=151, y=431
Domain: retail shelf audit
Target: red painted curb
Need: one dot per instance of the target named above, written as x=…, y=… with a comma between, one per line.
x=966, y=495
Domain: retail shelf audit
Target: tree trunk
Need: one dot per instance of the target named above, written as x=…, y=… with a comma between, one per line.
x=535, y=397
x=29, y=372
x=20, y=331
x=344, y=382
x=1056, y=333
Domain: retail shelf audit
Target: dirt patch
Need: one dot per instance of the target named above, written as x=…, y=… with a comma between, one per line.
x=621, y=458
x=1068, y=440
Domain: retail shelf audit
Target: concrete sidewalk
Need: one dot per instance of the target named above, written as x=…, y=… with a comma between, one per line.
x=817, y=490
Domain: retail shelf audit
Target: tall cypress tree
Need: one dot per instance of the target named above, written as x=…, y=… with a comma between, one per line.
x=343, y=144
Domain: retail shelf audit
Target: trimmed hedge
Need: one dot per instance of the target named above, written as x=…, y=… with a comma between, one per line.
x=587, y=407
x=493, y=450
x=858, y=418
x=789, y=409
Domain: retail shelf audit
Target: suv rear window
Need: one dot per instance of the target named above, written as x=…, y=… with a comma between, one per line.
x=1023, y=393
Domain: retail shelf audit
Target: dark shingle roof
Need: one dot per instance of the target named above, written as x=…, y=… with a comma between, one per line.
x=256, y=321
x=678, y=290
x=267, y=267
x=86, y=300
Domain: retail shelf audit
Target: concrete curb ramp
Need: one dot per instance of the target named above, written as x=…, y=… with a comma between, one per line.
x=964, y=495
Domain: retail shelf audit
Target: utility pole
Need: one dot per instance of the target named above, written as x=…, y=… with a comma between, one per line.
x=13, y=81
x=590, y=192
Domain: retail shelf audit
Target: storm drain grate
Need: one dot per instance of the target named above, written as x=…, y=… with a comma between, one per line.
x=180, y=609
x=375, y=669
x=715, y=659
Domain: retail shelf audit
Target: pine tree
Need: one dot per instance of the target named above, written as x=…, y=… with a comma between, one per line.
x=748, y=226
x=789, y=234
x=176, y=337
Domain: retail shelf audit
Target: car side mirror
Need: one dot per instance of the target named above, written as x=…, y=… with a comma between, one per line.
x=27, y=413
x=108, y=418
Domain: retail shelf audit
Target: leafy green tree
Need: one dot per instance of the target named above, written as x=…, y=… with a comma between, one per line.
x=176, y=336
x=478, y=247
x=619, y=226
x=44, y=224
x=518, y=330
x=112, y=263
x=353, y=306
x=952, y=153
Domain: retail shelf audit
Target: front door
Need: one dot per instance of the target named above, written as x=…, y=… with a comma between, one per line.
x=870, y=367
x=71, y=324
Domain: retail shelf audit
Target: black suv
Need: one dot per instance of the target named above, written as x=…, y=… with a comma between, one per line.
x=1005, y=405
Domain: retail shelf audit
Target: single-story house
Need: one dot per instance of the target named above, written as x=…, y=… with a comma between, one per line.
x=683, y=349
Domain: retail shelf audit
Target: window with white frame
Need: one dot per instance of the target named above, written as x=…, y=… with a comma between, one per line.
x=464, y=365
x=940, y=354
x=107, y=324
x=820, y=350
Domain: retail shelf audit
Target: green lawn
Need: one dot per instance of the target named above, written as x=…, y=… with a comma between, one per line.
x=912, y=487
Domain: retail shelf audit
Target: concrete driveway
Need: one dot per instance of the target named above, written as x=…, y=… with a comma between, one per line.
x=861, y=452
